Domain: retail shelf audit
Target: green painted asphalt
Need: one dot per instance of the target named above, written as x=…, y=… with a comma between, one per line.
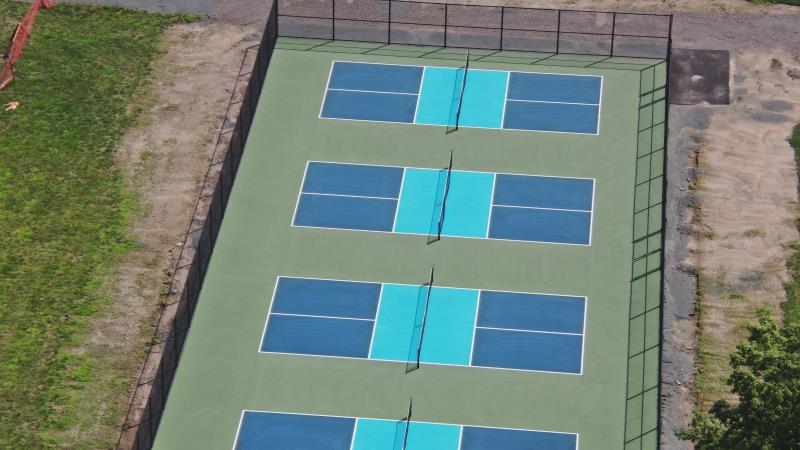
x=221, y=371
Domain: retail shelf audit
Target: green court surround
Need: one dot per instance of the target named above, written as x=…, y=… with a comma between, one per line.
x=221, y=371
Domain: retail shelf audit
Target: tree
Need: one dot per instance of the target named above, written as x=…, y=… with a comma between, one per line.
x=766, y=379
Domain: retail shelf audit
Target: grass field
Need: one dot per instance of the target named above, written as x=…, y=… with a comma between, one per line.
x=63, y=217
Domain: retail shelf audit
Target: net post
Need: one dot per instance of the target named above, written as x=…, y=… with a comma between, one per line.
x=408, y=422
x=444, y=200
x=389, y=25
x=613, y=32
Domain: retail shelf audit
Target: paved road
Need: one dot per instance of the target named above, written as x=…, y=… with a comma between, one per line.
x=237, y=11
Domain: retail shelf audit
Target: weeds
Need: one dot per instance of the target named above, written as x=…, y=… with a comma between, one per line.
x=63, y=210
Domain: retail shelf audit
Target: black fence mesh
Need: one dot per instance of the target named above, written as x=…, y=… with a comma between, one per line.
x=480, y=27
x=156, y=378
x=647, y=264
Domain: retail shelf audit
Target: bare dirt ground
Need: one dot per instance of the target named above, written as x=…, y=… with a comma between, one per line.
x=731, y=204
x=164, y=158
x=747, y=192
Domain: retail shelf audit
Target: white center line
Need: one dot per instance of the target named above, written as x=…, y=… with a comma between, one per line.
x=353, y=196
x=558, y=103
x=548, y=209
x=528, y=331
x=320, y=317
x=372, y=92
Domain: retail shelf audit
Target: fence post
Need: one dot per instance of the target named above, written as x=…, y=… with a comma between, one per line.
x=389, y=25
x=502, y=26
x=446, y=12
x=665, y=161
x=333, y=20
x=558, y=32
x=613, y=32
x=274, y=13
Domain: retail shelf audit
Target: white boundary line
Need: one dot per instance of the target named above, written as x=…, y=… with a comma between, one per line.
x=591, y=213
x=459, y=67
x=419, y=94
x=325, y=94
x=399, y=196
x=239, y=429
x=585, y=298
x=462, y=126
x=460, y=436
x=600, y=105
x=455, y=170
x=395, y=420
x=401, y=361
x=269, y=312
x=475, y=327
x=583, y=343
x=447, y=236
x=505, y=103
x=368, y=358
x=353, y=437
x=300, y=192
x=491, y=207
x=375, y=321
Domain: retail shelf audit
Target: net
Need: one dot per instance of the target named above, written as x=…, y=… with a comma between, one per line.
x=401, y=429
x=415, y=349
x=440, y=202
x=458, y=96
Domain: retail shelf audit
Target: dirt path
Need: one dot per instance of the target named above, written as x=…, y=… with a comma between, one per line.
x=164, y=159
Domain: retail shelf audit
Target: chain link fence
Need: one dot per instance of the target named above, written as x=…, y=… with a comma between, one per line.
x=499, y=28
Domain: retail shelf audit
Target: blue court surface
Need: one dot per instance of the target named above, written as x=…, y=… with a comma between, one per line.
x=480, y=205
x=260, y=430
x=464, y=327
x=427, y=95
